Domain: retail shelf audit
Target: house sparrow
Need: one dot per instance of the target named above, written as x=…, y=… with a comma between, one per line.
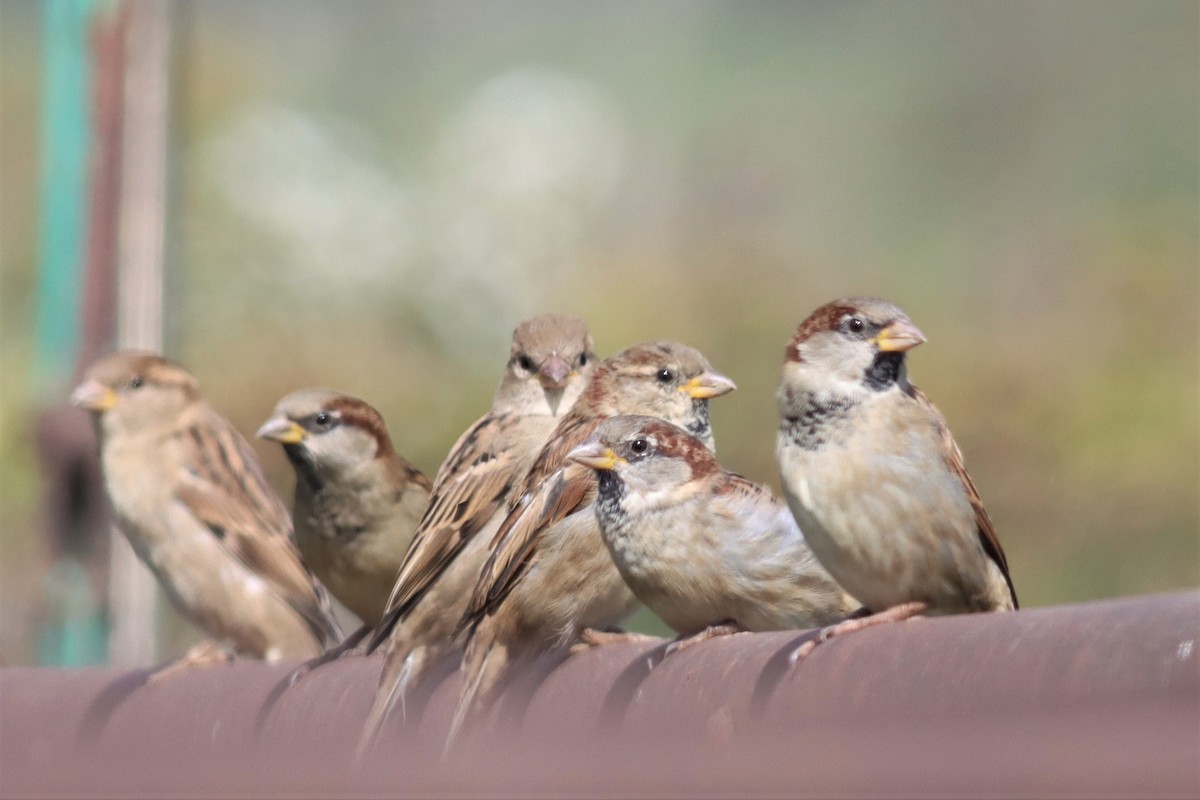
x=874, y=476
x=549, y=576
x=550, y=361
x=357, y=501
x=705, y=549
x=188, y=493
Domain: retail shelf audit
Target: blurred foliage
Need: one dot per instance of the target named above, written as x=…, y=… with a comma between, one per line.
x=370, y=196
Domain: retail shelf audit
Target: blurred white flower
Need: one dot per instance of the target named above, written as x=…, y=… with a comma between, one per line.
x=516, y=181
x=519, y=176
x=332, y=213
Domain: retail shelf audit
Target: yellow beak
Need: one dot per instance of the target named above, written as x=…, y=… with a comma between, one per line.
x=898, y=337
x=596, y=456
x=707, y=386
x=282, y=430
x=93, y=396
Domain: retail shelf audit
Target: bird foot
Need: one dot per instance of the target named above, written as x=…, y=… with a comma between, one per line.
x=728, y=628
x=205, y=654
x=591, y=637
x=350, y=646
x=897, y=613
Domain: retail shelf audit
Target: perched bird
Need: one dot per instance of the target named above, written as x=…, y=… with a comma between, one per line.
x=874, y=476
x=549, y=576
x=357, y=501
x=188, y=493
x=702, y=547
x=550, y=362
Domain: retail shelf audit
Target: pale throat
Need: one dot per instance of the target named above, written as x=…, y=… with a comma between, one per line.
x=554, y=398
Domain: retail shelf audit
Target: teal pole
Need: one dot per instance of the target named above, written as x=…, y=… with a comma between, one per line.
x=65, y=138
x=75, y=630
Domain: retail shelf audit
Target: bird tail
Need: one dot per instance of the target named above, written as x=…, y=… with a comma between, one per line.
x=402, y=668
x=484, y=664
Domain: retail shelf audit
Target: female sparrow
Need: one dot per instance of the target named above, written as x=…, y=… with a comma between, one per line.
x=549, y=576
x=874, y=476
x=705, y=549
x=188, y=493
x=357, y=501
x=550, y=361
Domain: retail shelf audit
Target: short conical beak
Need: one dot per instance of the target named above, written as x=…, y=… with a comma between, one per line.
x=899, y=337
x=282, y=430
x=707, y=386
x=595, y=455
x=94, y=396
x=554, y=372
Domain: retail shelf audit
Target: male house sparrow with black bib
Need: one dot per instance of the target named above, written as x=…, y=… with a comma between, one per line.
x=357, y=501
x=550, y=361
x=874, y=476
x=188, y=493
x=705, y=549
x=549, y=576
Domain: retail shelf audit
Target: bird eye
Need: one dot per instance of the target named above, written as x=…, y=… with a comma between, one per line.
x=136, y=382
x=856, y=324
x=323, y=419
x=665, y=376
x=639, y=445
x=526, y=363
x=583, y=359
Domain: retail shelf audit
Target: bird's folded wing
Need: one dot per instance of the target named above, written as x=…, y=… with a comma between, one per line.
x=740, y=488
x=469, y=490
x=552, y=490
x=223, y=486
x=983, y=523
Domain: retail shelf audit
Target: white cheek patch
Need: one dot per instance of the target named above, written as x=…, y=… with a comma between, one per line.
x=637, y=502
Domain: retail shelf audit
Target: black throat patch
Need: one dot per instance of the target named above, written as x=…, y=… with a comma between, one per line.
x=884, y=371
x=817, y=424
x=306, y=469
x=700, y=424
x=609, y=494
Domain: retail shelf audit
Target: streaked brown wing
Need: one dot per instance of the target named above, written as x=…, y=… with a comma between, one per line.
x=224, y=487
x=469, y=490
x=552, y=490
x=983, y=523
x=739, y=487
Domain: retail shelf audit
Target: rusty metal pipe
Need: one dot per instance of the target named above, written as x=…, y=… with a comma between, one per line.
x=1101, y=699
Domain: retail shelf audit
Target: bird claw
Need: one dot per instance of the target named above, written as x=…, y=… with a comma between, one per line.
x=591, y=637
x=299, y=672
x=801, y=652
x=205, y=654
x=898, y=613
x=352, y=645
x=711, y=632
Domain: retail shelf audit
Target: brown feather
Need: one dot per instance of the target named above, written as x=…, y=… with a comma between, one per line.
x=674, y=442
x=469, y=489
x=224, y=487
x=825, y=318
x=983, y=523
x=737, y=485
x=560, y=492
x=353, y=411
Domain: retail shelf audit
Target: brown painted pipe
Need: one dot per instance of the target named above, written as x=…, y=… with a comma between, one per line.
x=1101, y=699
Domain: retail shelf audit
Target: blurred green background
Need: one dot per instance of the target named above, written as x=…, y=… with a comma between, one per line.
x=370, y=196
